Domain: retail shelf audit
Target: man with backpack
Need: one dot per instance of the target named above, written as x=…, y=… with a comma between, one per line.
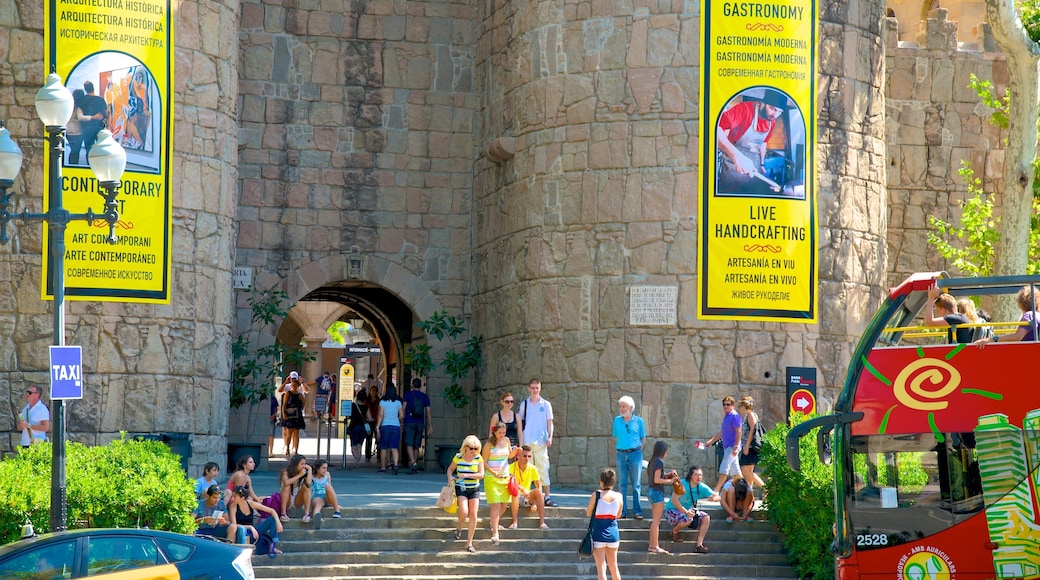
x=417, y=422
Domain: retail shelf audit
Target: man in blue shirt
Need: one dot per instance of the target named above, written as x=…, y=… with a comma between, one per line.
x=416, y=417
x=629, y=431
x=729, y=434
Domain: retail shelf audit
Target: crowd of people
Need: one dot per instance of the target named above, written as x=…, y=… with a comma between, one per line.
x=516, y=449
x=235, y=513
x=513, y=465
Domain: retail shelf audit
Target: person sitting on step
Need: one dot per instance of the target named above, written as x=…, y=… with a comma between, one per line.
x=322, y=494
x=526, y=476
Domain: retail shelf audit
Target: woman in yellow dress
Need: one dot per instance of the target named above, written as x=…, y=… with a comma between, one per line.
x=496, y=454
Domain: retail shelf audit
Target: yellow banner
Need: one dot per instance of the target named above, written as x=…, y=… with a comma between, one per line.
x=117, y=58
x=757, y=257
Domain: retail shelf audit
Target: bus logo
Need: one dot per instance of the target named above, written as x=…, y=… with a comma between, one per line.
x=926, y=563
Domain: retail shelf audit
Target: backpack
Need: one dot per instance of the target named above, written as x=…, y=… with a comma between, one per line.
x=416, y=407
x=756, y=439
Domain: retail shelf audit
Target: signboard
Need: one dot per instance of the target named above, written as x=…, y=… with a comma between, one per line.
x=346, y=389
x=363, y=350
x=757, y=256
x=801, y=391
x=66, y=372
x=120, y=54
x=652, y=305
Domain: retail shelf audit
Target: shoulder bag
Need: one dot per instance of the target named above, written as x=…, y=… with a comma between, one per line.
x=756, y=439
x=368, y=428
x=585, y=548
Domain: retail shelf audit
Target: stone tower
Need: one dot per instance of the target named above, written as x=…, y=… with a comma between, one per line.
x=148, y=368
x=599, y=102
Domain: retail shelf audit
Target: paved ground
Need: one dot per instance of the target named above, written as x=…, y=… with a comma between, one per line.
x=364, y=486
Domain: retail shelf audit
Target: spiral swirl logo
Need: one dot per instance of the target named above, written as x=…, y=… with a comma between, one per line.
x=922, y=384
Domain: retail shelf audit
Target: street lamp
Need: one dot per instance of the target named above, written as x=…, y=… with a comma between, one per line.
x=54, y=105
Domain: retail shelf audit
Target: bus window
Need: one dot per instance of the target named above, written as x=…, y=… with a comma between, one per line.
x=906, y=487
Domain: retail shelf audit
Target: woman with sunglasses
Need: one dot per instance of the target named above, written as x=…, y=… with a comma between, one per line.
x=507, y=417
x=629, y=432
x=465, y=472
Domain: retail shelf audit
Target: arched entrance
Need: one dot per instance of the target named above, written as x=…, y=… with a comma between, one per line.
x=388, y=301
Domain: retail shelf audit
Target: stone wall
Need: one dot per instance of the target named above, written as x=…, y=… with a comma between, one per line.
x=933, y=121
x=356, y=137
x=600, y=100
x=149, y=368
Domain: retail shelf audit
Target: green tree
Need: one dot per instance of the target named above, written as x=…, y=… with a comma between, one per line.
x=1016, y=200
x=971, y=246
x=461, y=358
x=255, y=366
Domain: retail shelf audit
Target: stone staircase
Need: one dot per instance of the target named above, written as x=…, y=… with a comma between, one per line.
x=417, y=544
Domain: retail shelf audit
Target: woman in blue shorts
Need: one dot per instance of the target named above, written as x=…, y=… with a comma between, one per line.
x=322, y=494
x=605, y=536
x=465, y=473
x=391, y=413
x=658, y=479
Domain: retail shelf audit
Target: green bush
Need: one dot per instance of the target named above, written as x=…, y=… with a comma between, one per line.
x=122, y=484
x=801, y=504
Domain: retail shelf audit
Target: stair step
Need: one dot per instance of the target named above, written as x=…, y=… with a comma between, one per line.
x=435, y=568
x=417, y=544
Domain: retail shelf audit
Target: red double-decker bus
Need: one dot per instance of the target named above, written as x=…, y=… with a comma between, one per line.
x=936, y=445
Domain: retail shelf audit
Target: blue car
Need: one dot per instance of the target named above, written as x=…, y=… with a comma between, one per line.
x=124, y=554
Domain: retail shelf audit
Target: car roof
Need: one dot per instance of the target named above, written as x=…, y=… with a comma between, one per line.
x=56, y=536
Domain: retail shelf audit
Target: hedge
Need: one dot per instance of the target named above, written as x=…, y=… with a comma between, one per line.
x=122, y=484
x=801, y=504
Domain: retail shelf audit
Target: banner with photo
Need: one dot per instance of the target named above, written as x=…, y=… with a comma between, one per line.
x=757, y=257
x=116, y=56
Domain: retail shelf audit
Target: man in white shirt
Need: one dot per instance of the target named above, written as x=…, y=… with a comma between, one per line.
x=536, y=415
x=35, y=419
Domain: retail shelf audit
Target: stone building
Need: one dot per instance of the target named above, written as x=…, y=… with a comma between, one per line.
x=517, y=163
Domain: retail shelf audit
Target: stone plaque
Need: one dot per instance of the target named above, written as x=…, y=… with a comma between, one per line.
x=242, y=278
x=652, y=305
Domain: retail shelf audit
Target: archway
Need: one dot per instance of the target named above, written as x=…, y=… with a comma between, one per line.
x=389, y=300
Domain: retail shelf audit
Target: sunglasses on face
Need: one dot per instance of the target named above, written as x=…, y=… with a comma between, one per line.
x=528, y=455
x=508, y=401
x=727, y=404
x=473, y=448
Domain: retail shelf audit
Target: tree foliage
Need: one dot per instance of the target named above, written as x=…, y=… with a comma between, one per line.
x=255, y=366
x=461, y=358
x=123, y=484
x=970, y=245
x=801, y=503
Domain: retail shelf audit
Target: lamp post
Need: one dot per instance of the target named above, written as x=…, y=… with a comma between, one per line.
x=55, y=104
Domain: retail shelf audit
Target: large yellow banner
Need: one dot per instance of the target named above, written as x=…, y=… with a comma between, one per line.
x=757, y=257
x=117, y=58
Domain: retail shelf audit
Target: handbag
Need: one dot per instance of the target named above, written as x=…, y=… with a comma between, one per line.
x=585, y=548
x=446, y=500
x=514, y=487
x=368, y=428
x=678, y=488
x=756, y=439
